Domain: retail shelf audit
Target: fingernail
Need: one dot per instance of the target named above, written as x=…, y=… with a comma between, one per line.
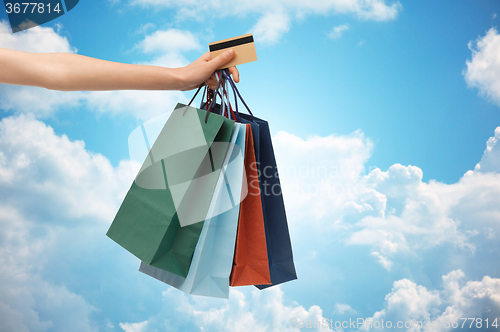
x=230, y=52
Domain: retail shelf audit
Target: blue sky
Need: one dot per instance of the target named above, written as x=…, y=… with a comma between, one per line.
x=400, y=100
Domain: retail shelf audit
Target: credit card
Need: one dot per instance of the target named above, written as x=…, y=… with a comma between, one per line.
x=243, y=46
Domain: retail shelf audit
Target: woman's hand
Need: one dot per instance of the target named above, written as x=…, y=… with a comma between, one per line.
x=203, y=69
x=74, y=72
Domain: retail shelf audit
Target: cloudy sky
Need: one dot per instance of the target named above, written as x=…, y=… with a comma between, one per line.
x=385, y=118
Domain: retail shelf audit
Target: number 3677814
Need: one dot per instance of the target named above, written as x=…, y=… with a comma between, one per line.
x=31, y=8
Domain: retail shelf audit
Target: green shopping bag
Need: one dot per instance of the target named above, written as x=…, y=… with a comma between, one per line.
x=162, y=215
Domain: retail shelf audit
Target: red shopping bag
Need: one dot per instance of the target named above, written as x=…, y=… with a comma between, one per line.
x=250, y=262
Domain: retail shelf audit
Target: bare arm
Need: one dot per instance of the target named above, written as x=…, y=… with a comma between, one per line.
x=74, y=72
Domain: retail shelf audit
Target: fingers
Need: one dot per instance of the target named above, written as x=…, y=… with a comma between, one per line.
x=235, y=73
x=218, y=62
x=222, y=59
x=206, y=56
x=211, y=82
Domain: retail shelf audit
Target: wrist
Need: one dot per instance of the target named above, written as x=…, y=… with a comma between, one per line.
x=179, y=78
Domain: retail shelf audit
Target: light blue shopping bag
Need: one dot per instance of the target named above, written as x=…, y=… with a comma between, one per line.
x=213, y=257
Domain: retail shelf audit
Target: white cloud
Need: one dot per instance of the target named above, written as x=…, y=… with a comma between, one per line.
x=24, y=295
x=37, y=39
x=276, y=16
x=408, y=302
x=39, y=101
x=391, y=213
x=169, y=60
x=57, y=200
x=438, y=310
x=377, y=10
x=142, y=105
x=338, y=31
x=319, y=174
x=54, y=176
x=144, y=28
x=490, y=162
x=342, y=308
x=247, y=310
x=380, y=10
x=167, y=41
x=411, y=216
x=28, y=301
x=483, y=71
x=271, y=27
x=408, y=216
x=386, y=263
x=134, y=327
x=422, y=309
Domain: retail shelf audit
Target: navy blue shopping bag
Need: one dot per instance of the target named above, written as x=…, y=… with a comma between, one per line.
x=279, y=246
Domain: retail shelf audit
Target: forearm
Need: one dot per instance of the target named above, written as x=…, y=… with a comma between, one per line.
x=73, y=72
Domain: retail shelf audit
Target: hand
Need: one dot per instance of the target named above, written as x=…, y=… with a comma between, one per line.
x=203, y=70
x=74, y=72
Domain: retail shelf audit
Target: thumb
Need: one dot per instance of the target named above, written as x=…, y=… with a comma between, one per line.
x=222, y=59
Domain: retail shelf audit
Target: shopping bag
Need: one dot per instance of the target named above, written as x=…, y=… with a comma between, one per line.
x=147, y=223
x=213, y=257
x=279, y=247
x=250, y=263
